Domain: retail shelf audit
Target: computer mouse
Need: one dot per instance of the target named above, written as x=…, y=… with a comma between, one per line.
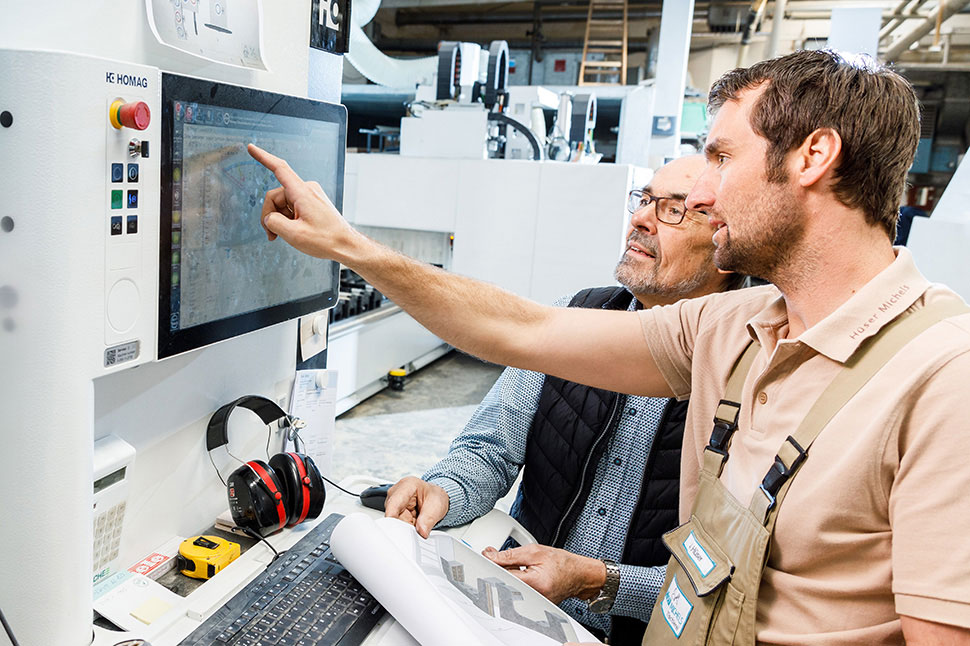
x=375, y=496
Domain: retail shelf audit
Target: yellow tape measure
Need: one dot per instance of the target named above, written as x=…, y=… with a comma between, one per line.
x=203, y=557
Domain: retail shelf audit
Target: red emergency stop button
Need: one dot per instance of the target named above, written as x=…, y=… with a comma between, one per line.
x=135, y=115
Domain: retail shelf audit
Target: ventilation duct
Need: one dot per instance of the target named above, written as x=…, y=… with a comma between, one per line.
x=375, y=65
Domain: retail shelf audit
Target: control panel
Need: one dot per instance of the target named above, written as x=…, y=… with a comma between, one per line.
x=130, y=221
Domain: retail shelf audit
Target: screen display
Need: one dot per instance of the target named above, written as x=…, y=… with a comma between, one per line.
x=219, y=275
x=103, y=483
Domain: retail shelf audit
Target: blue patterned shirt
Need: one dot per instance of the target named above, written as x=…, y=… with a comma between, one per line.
x=484, y=461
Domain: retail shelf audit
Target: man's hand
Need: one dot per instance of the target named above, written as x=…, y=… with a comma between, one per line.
x=301, y=213
x=417, y=502
x=555, y=573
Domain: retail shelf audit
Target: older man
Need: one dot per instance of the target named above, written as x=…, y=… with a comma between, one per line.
x=601, y=469
x=828, y=503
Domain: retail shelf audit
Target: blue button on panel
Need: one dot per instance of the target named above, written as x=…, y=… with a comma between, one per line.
x=116, y=225
x=132, y=199
x=132, y=224
x=117, y=173
x=132, y=172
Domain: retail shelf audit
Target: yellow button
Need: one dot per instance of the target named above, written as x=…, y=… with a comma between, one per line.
x=762, y=397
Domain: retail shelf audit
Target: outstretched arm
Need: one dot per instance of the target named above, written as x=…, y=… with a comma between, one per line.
x=603, y=349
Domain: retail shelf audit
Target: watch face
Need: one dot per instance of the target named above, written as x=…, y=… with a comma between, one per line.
x=600, y=605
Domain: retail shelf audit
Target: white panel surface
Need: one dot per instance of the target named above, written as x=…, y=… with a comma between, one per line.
x=855, y=30
x=495, y=231
x=580, y=227
x=120, y=31
x=457, y=133
x=940, y=251
x=396, y=192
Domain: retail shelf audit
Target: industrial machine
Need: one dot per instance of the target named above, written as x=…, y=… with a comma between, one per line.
x=138, y=292
x=477, y=189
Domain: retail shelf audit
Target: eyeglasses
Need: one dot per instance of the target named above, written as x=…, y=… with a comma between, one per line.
x=670, y=210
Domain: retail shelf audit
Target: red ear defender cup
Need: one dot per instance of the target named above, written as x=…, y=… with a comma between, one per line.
x=266, y=497
x=257, y=498
x=305, y=493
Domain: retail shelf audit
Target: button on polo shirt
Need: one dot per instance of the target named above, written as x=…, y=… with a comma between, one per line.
x=874, y=524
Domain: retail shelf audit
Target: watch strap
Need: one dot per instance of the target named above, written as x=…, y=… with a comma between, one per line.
x=607, y=595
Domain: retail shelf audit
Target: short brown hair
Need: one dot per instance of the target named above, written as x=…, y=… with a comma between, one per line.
x=874, y=110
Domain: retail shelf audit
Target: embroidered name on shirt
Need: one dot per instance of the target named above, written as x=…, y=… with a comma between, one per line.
x=886, y=306
x=676, y=608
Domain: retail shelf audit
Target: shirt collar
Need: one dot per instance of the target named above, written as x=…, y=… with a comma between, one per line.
x=890, y=293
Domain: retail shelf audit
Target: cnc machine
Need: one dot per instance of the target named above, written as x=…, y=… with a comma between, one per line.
x=138, y=292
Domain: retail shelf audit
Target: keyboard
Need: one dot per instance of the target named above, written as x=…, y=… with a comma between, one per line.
x=305, y=598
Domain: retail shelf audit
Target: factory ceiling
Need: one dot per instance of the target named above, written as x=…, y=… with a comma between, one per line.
x=919, y=34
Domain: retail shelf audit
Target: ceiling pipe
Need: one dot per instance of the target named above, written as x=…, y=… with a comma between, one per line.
x=409, y=18
x=777, y=18
x=893, y=24
x=405, y=18
x=903, y=43
x=430, y=45
x=751, y=20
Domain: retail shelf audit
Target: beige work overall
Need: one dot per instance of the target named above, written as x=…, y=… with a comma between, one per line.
x=710, y=594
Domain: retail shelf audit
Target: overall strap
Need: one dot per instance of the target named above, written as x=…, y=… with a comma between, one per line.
x=857, y=371
x=726, y=414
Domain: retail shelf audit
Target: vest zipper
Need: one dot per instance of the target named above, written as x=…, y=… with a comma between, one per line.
x=589, y=456
x=646, y=469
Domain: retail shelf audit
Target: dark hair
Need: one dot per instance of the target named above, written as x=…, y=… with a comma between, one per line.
x=874, y=110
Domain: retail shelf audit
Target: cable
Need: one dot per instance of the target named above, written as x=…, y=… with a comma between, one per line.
x=339, y=487
x=294, y=436
x=8, y=629
x=521, y=127
x=260, y=537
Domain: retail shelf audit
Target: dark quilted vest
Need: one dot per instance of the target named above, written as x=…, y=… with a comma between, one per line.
x=569, y=433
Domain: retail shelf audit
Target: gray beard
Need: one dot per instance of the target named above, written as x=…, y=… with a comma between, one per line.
x=646, y=283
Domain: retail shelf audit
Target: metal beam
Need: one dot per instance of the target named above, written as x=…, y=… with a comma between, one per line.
x=406, y=17
x=925, y=27
x=776, y=21
x=896, y=21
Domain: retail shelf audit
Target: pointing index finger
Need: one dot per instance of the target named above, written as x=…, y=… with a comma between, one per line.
x=287, y=176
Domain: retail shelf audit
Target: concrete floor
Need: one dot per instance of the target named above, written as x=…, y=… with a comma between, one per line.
x=394, y=434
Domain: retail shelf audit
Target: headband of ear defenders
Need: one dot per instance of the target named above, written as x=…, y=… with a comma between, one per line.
x=217, y=435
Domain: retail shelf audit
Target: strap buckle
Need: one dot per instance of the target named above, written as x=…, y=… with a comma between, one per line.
x=723, y=429
x=779, y=473
x=721, y=436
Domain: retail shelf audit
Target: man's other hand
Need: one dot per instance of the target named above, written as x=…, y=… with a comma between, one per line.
x=555, y=573
x=417, y=502
x=301, y=213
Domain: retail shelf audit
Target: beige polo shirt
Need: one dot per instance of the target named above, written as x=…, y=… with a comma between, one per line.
x=877, y=521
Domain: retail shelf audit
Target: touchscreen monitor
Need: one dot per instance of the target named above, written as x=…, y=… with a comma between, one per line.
x=219, y=276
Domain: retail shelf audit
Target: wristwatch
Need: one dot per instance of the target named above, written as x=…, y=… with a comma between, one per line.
x=604, y=600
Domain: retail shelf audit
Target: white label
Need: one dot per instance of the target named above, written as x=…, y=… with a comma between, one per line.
x=330, y=12
x=698, y=555
x=676, y=608
x=121, y=353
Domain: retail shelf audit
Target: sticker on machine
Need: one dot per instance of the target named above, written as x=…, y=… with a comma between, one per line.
x=676, y=608
x=705, y=564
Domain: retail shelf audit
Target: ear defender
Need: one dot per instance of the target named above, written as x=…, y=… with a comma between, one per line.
x=257, y=499
x=304, y=493
x=265, y=498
